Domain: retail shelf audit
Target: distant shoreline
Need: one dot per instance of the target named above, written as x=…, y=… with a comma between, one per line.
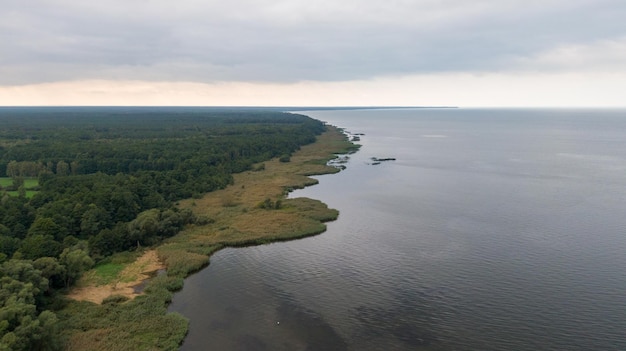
x=296, y=109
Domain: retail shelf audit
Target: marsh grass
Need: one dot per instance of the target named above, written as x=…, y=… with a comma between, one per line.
x=232, y=219
x=139, y=324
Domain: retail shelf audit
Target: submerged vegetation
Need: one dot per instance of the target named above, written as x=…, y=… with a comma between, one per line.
x=96, y=187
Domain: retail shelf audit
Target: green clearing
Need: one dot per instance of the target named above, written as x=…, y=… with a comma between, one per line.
x=29, y=185
x=108, y=272
x=29, y=193
x=5, y=182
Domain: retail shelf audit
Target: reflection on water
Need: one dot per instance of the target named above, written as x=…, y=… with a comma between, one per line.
x=493, y=230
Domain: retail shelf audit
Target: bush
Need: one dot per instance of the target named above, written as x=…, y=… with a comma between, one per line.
x=169, y=283
x=115, y=299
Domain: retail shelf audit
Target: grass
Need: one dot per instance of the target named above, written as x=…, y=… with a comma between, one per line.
x=5, y=182
x=139, y=324
x=29, y=193
x=123, y=257
x=108, y=272
x=117, y=279
x=234, y=220
x=29, y=185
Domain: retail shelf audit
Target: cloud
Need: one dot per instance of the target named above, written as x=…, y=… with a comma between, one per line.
x=290, y=41
x=600, y=56
x=583, y=89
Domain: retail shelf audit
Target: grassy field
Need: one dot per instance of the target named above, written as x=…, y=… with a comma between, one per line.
x=111, y=269
x=108, y=272
x=252, y=211
x=29, y=193
x=29, y=185
x=5, y=182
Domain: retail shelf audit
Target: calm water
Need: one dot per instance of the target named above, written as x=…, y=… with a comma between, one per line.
x=493, y=230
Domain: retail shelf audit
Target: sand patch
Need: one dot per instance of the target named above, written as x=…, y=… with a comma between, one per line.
x=131, y=276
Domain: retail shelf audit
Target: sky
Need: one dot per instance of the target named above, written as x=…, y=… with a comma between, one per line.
x=468, y=53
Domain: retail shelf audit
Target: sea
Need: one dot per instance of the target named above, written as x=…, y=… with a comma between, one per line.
x=493, y=229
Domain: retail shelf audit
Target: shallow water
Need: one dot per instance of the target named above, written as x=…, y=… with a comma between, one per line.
x=493, y=230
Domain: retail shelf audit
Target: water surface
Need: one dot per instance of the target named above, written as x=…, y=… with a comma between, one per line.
x=493, y=230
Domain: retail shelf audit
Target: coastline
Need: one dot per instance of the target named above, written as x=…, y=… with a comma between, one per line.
x=254, y=210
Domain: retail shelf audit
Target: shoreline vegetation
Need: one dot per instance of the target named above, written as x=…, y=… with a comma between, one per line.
x=130, y=311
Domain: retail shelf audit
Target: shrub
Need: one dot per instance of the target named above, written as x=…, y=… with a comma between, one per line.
x=115, y=299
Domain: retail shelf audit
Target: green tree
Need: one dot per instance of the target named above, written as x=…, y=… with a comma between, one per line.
x=35, y=246
x=8, y=245
x=93, y=220
x=45, y=226
x=76, y=261
x=13, y=169
x=52, y=270
x=109, y=241
x=63, y=168
x=21, y=327
x=18, y=182
x=24, y=272
x=144, y=227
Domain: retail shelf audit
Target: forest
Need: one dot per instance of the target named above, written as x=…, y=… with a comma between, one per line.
x=80, y=184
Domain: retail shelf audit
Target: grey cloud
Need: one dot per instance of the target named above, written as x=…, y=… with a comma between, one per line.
x=257, y=40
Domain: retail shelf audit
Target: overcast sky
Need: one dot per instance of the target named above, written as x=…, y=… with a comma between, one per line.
x=308, y=52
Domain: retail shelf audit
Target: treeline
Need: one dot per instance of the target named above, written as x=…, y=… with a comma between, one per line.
x=108, y=181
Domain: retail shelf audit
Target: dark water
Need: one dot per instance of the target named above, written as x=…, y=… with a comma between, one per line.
x=493, y=230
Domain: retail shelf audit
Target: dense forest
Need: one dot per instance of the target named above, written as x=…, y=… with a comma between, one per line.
x=79, y=184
